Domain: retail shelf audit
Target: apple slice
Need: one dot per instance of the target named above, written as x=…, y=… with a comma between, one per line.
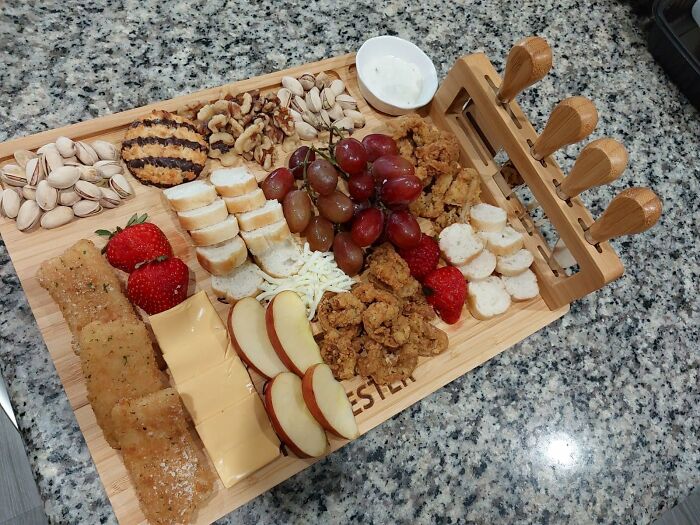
x=291, y=418
x=290, y=332
x=246, y=325
x=328, y=402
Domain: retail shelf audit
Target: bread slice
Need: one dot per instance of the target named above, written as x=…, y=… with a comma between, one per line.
x=282, y=259
x=220, y=259
x=216, y=233
x=459, y=244
x=487, y=298
x=233, y=182
x=487, y=218
x=248, y=202
x=514, y=264
x=480, y=267
x=244, y=281
x=269, y=213
x=523, y=286
x=263, y=239
x=190, y=195
x=204, y=216
x=506, y=242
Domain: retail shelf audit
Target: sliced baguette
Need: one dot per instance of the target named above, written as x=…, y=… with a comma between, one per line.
x=523, y=286
x=216, y=233
x=487, y=298
x=204, y=216
x=269, y=213
x=223, y=258
x=282, y=259
x=506, y=242
x=480, y=267
x=263, y=239
x=487, y=218
x=244, y=281
x=190, y=195
x=459, y=244
x=233, y=182
x=248, y=202
x=514, y=264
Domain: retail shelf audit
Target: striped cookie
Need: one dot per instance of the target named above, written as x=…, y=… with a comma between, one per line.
x=164, y=149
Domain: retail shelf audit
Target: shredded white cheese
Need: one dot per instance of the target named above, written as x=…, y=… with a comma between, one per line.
x=319, y=274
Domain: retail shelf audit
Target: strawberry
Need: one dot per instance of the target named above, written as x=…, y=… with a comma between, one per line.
x=446, y=289
x=422, y=259
x=137, y=243
x=158, y=285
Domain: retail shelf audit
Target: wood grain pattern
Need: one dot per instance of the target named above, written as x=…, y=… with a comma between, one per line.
x=633, y=210
x=472, y=342
x=600, y=162
x=529, y=60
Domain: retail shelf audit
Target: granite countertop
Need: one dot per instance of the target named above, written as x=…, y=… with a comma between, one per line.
x=593, y=419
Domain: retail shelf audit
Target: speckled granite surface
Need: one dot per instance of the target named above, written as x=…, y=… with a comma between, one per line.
x=593, y=419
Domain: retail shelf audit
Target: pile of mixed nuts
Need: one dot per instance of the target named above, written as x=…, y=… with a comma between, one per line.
x=62, y=180
x=317, y=102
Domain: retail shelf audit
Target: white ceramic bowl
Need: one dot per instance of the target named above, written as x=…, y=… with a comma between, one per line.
x=405, y=50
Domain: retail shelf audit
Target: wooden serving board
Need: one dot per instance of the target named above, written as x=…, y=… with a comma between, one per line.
x=472, y=342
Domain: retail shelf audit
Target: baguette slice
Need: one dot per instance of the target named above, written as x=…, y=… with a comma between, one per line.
x=480, y=267
x=223, y=258
x=233, y=182
x=506, y=242
x=216, y=233
x=523, y=286
x=244, y=281
x=263, y=239
x=190, y=195
x=487, y=298
x=487, y=218
x=269, y=213
x=282, y=260
x=514, y=264
x=204, y=216
x=459, y=244
x=248, y=202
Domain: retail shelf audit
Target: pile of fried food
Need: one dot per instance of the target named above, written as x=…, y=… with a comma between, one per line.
x=448, y=188
x=381, y=327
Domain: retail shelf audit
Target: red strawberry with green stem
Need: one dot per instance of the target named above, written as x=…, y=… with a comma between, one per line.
x=139, y=241
x=446, y=289
x=158, y=285
x=422, y=259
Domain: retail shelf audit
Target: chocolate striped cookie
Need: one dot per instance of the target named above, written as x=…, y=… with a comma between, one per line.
x=164, y=149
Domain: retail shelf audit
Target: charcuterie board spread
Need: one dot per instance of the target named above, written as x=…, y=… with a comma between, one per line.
x=234, y=283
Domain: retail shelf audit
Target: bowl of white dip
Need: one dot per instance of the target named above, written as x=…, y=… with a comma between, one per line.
x=394, y=75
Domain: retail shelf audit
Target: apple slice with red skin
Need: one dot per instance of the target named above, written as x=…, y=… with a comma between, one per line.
x=328, y=402
x=246, y=327
x=290, y=332
x=291, y=418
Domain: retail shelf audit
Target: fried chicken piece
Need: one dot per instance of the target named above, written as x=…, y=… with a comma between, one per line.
x=385, y=366
x=389, y=269
x=339, y=350
x=406, y=149
x=428, y=339
x=447, y=218
x=445, y=150
x=465, y=189
x=369, y=293
x=341, y=310
x=415, y=128
x=428, y=205
x=385, y=324
x=417, y=305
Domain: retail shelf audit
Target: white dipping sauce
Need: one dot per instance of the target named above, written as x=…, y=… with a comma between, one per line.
x=394, y=80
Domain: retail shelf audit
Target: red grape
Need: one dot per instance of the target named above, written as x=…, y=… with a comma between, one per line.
x=351, y=156
x=297, y=210
x=402, y=230
x=322, y=176
x=277, y=184
x=319, y=234
x=361, y=186
x=367, y=226
x=336, y=207
x=377, y=145
x=296, y=160
x=360, y=206
x=390, y=166
x=348, y=256
x=399, y=192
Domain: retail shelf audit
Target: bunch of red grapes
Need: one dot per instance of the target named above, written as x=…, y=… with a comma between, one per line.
x=381, y=185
